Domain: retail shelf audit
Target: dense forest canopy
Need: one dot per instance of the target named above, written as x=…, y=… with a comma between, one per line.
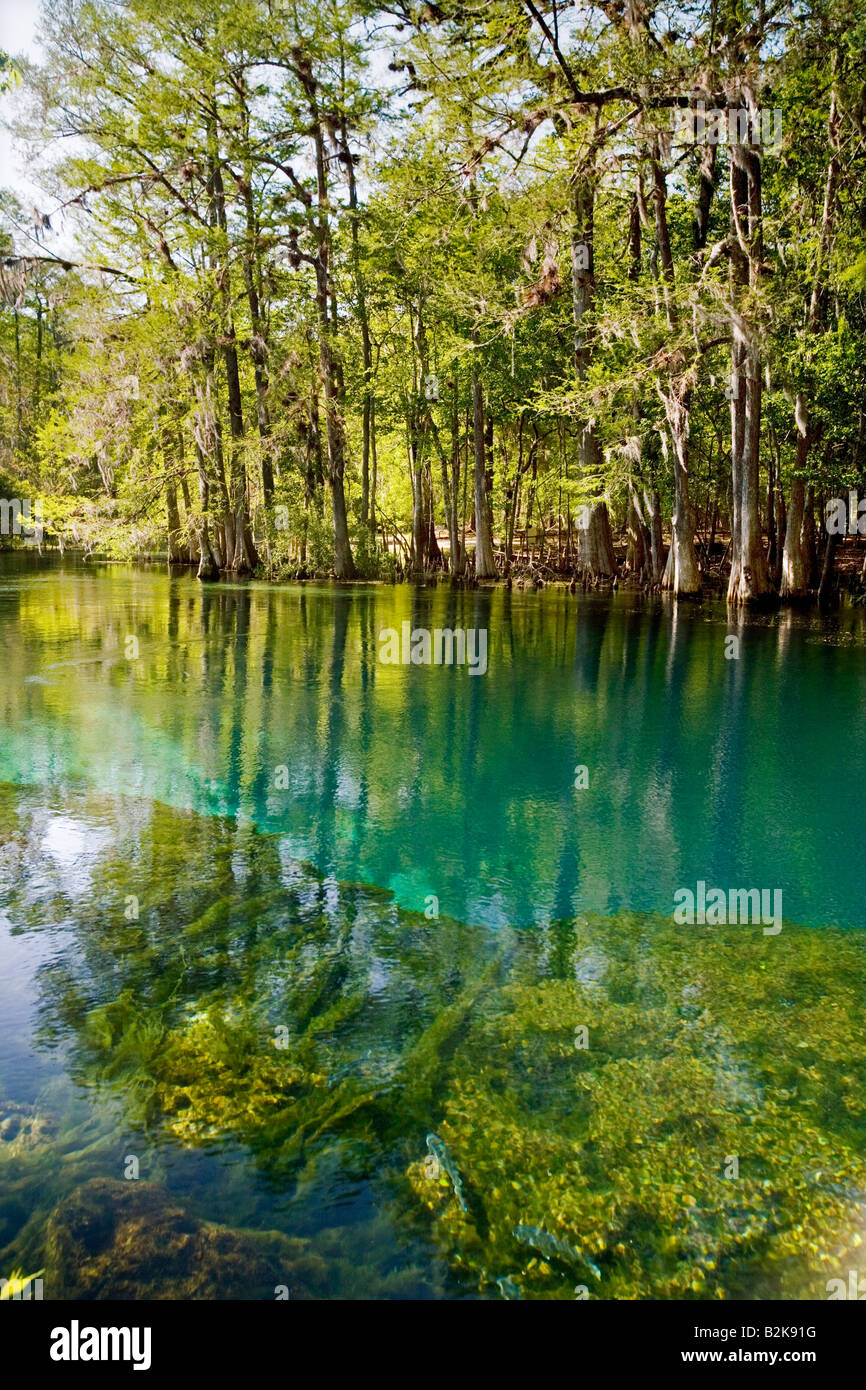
x=573, y=287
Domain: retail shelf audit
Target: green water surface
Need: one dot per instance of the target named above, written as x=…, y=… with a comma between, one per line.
x=272, y=911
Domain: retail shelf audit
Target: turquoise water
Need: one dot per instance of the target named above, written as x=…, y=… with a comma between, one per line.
x=243, y=821
x=426, y=780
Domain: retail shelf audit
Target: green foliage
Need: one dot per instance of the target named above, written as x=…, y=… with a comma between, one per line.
x=446, y=223
x=9, y=75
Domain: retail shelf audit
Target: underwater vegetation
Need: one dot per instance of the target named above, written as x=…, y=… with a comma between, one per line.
x=125, y=1240
x=411, y=1108
x=16, y=1285
x=607, y=1163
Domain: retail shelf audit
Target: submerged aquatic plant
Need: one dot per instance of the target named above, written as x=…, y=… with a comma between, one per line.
x=585, y=1086
x=617, y=1156
x=15, y=1285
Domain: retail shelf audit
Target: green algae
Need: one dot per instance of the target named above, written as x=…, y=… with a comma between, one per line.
x=319, y=1032
x=116, y=1240
x=621, y=1148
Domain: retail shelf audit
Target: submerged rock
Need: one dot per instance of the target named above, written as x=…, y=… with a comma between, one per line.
x=22, y=1128
x=132, y=1240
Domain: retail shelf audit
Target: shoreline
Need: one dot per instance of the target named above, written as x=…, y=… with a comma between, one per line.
x=849, y=591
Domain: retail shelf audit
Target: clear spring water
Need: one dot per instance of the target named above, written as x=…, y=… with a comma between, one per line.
x=286, y=1018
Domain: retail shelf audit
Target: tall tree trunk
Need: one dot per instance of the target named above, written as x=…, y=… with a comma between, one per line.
x=643, y=537
x=781, y=532
x=749, y=581
x=809, y=539
x=634, y=241
x=207, y=430
x=329, y=366
x=425, y=547
x=190, y=554
x=771, y=517
x=794, y=576
x=208, y=567
x=364, y=324
x=175, y=550
x=243, y=556
x=583, y=293
x=595, y=544
x=420, y=513
x=452, y=497
x=374, y=464
x=259, y=355
x=252, y=272
x=485, y=565
x=652, y=503
x=826, y=586
x=798, y=561
x=682, y=573
x=752, y=578
x=701, y=215
x=816, y=304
